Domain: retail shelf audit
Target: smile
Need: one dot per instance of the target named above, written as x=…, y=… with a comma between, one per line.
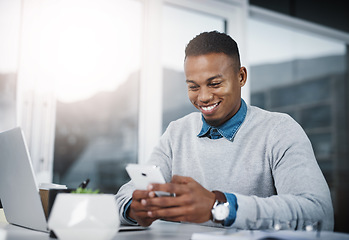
x=209, y=108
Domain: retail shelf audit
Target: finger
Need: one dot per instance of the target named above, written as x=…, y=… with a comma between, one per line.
x=181, y=179
x=145, y=222
x=141, y=206
x=140, y=215
x=164, y=202
x=178, y=189
x=173, y=214
x=142, y=218
x=136, y=213
x=140, y=194
x=184, y=214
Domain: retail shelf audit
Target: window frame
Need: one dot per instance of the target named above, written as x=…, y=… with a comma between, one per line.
x=303, y=25
x=150, y=116
x=36, y=112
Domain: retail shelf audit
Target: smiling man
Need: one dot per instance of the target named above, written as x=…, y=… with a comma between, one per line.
x=232, y=164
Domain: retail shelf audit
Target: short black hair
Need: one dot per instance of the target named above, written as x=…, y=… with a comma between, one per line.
x=213, y=42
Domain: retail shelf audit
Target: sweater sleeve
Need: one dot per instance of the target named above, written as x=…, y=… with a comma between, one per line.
x=302, y=192
x=160, y=156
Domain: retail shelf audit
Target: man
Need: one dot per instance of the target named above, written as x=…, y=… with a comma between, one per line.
x=232, y=164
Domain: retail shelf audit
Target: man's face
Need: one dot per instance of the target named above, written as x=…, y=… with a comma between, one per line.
x=214, y=86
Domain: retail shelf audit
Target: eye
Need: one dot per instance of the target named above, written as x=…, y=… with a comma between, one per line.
x=215, y=84
x=193, y=87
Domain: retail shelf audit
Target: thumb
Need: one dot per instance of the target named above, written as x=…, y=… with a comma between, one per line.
x=181, y=179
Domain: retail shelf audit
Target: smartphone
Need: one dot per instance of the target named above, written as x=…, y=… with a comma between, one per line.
x=143, y=175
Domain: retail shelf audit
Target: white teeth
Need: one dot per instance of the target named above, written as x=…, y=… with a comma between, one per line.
x=209, y=108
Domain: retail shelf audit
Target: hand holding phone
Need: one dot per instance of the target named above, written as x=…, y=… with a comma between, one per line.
x=143, y=175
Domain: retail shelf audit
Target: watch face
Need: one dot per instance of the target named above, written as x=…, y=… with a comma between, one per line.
x=221, y=212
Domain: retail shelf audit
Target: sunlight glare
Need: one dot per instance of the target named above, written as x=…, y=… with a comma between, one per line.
x=85, y=48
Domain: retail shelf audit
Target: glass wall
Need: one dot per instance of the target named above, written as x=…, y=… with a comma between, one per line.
x=9, y=42
x=304, y=75
x=179, y=26
x=78, y=92
x=97, y=99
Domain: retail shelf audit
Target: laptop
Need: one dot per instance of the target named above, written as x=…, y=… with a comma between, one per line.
x=19, y=192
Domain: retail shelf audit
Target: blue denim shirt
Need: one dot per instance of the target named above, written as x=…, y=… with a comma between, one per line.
x=227, y=130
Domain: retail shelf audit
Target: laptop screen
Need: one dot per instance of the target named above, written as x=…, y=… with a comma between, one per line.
x=19, y=192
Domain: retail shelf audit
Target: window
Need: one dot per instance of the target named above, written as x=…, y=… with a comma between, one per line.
x=179, y=27
x=179, y=22
x=9, y=40
x=97, y=104
x=182, y=22
x=89, y=80
x=78, y=89
x=304, y=74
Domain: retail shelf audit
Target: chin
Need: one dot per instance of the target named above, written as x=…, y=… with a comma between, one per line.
x=213, y=122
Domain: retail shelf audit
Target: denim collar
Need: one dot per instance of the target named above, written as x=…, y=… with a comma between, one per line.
x=229, y=128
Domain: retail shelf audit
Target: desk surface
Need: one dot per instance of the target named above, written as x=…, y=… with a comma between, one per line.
x=158, y=230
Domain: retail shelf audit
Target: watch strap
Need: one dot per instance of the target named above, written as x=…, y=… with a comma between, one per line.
x=220, y=198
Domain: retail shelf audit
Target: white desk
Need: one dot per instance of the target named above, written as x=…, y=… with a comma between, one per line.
x=158, y=230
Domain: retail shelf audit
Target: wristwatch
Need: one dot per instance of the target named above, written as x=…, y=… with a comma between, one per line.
x=220, y=209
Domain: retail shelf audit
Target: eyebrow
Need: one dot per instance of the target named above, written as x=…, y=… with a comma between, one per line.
x=207, y=80
x=214, y=77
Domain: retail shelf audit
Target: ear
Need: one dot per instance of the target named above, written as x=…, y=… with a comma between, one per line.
x=242, y=76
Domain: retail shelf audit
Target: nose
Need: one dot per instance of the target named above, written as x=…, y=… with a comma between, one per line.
x=205, y=96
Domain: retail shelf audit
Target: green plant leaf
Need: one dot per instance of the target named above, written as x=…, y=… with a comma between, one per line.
x=80, y=190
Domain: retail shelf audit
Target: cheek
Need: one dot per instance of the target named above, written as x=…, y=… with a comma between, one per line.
x=229, y=91
x=192, y=96
x=222, y=92
x=193, y=99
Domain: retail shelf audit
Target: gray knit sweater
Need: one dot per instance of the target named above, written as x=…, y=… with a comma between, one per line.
x=269, y=165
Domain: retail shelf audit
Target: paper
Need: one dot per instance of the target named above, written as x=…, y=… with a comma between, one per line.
x=51, y=186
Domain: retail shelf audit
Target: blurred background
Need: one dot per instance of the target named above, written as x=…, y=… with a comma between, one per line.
x=94, y=83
